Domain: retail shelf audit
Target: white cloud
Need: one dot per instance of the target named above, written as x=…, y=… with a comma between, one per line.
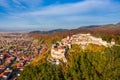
x=31, y=3
x=73, y=8
x=71, y=14
x=66, y=9
x=4, y=3
x=18, y=4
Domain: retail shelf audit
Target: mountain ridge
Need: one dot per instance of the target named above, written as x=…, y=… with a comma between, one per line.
x=107, y=28
x=50, y=31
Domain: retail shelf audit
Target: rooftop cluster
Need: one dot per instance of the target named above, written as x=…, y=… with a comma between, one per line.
x=16, y=51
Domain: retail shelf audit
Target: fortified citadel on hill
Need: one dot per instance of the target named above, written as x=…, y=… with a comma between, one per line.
x=59, y=49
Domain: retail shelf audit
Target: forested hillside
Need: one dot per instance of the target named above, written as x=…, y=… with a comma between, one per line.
x=93, y=63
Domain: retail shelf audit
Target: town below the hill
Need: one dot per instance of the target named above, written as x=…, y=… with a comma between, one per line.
x=16, y=51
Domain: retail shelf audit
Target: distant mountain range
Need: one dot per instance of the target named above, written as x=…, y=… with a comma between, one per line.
x=50, y=32
x=108, y=28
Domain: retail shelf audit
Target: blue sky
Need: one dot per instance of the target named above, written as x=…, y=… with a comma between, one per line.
x=53, y=14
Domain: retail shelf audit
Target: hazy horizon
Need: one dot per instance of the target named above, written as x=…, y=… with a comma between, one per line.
x=28, y=15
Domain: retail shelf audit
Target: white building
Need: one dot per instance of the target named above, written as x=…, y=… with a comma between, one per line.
x=113, y=41
x=58, y=53
x=86, y=39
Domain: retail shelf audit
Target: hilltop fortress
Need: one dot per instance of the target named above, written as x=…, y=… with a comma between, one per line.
x=59, y=49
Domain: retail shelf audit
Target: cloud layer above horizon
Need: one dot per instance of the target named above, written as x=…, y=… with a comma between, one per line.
x=53, y=14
